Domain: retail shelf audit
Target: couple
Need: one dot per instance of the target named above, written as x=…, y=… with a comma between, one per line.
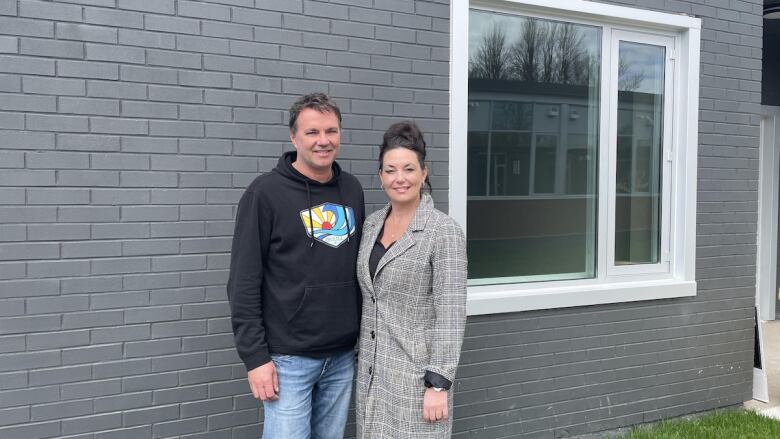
x=299, y=265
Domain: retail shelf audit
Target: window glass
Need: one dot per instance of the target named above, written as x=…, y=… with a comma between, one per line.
x=532, y=148
x=639, y=153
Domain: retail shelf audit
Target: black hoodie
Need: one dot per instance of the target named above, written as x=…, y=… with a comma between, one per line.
x=292, y=286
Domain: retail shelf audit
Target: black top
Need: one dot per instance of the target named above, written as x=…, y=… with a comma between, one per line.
x=293, y=283
x=432, y=379
x=377, y=252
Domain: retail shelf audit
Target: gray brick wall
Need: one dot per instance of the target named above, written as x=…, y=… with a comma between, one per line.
x=129, y=129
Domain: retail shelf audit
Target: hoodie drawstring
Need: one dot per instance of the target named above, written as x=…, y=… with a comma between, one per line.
x=311, y=216
x=344, y=207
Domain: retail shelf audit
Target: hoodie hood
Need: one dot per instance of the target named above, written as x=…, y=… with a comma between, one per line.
x=285, y=168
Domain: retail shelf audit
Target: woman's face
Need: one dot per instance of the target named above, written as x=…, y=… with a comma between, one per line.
x=401, y=175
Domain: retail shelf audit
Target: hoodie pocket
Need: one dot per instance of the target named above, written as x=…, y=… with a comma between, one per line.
x=327, y=315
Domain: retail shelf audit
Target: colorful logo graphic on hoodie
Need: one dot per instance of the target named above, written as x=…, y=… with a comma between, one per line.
x=330, y=223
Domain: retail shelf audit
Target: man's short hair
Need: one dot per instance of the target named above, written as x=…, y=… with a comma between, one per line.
x=316, y=101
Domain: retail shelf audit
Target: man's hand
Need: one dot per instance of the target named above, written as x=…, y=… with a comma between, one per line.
x=263, y=382
x=435, y=405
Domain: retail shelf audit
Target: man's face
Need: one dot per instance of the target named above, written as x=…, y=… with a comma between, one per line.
x=317, y=138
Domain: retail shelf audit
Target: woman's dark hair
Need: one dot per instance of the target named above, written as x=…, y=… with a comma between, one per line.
x=405, y=134
x=316, y=101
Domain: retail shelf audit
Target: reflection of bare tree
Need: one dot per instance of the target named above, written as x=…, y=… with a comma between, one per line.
x=491, y=61
x=628, y=80
x=545, y=51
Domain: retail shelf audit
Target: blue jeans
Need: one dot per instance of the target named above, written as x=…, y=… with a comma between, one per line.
x=313, y=397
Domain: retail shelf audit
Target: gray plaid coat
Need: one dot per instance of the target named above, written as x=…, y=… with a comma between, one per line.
x=414, y=313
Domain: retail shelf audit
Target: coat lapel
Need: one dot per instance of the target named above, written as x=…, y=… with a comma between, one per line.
x=407, y=240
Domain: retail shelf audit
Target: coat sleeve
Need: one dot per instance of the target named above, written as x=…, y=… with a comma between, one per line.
x=449, y=299
x=245, y=283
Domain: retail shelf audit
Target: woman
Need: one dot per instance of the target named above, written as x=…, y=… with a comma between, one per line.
x=412, y=271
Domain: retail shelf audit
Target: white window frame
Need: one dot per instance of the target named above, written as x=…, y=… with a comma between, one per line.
x=675, y=276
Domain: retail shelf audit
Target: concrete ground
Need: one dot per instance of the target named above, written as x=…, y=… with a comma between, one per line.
x=771, y=346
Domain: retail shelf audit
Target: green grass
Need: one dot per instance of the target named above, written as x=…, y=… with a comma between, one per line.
x=719, y=425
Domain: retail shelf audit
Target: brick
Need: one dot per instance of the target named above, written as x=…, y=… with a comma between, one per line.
x=150, y=415
x=151, y=281
x=204, y=10
x=28, y=288
x=178, y=362
x=56, y=196
x=227, y=30
x=87, y=69
x=91, y=423
x=257, y=17
x=172, y=24
x=59, y=339
x=149, y=144
x=119, y=196
x=153, y=75
x=120, y=265
x=11, y=270
x=150, y=247
x=51, y=48
x=110, y=89
x=204, y=180
x=150, y=382
x=152, y=314
x=121, y=161
x=118, y=126
x=202, y=44
x=112, y=17
x=14, y=177
x=124, y=401
x=26, y=65
x=207, y=407
x=91, y=284
x=37, y=430
x=43, y=122
x=11, y=307
x=176, y=129
x=80, y=142
x=91, y=319
x=54, y=86
x=180, y=295
x=84, y=32
x=118, y=231
x=204, y=79
x=10, y=120
x=152, y=348
x=60, y=375
x=206, y=146
x=230, y=131
x=91, y=249
x=178, y=329
x=15, y=415
x=157, y=6
x=13, y=380
x=27, y=103
x=8, y=7
x=205, y=113
x=119, y=369
x=148, y=179
x=57, y=269
x=57, y=232
x=179, y=427
x=228, y=64
x=146, y=39
x=258, y=83
x=27, y=360
x=10, y=196
x=186, y=229
x=92, y=354
x=88, y=178
x=181, y=394
x=59, y=410
x=16, y=251
x=175, y=94
x=121, y=333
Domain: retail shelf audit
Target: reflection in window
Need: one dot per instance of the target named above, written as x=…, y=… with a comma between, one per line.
x=639, y=146
x=532, y=148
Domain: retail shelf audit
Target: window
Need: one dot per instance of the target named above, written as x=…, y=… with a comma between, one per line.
x=579, y=152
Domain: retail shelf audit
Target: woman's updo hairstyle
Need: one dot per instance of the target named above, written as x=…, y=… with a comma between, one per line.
x=405, y=134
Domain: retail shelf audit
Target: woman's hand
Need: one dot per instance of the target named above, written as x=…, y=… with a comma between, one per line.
x=435, y=405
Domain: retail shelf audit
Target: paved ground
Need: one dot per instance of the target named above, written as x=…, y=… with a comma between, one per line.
x=771, y=347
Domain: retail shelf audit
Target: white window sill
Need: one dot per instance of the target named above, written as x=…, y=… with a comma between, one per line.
x=499, y=299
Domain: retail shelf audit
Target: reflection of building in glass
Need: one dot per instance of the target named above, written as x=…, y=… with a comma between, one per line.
x=532, y=166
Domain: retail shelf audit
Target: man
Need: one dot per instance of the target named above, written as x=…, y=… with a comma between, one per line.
x=293, y=294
